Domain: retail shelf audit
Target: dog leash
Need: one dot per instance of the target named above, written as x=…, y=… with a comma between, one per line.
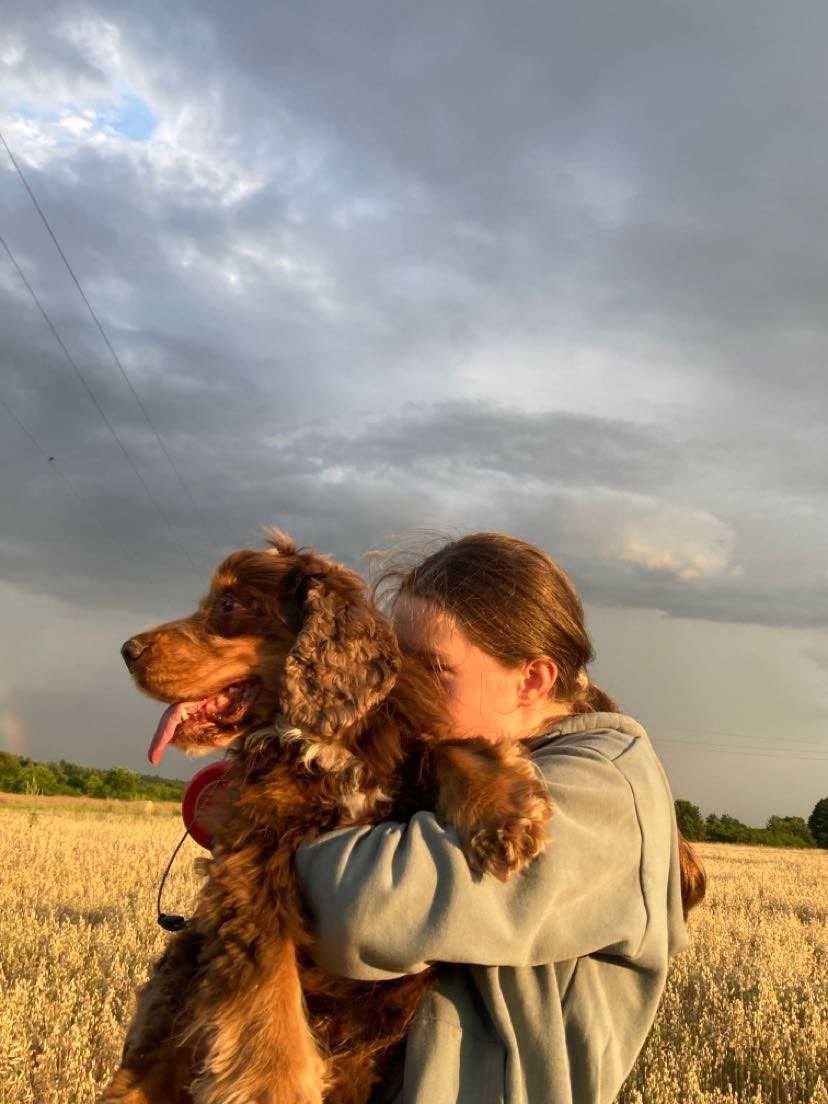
x=171, y=921
x=254, y=741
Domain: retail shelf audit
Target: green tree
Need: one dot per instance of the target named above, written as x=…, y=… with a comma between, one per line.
x=11, y=776
x=727, y=829
x=120, y=782
x=689, y=820
x=818, y=822
x=95, y=786
x=790, y=827
x=19, y=774
x=38, y=779
x=76, y=777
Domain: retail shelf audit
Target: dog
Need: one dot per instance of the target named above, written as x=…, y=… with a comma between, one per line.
x=326, y=723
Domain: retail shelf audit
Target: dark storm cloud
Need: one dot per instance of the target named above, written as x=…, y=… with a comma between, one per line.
x=345, y=492
x=359, y=205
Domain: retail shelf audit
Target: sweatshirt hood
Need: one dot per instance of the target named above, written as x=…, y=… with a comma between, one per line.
x=588, y=722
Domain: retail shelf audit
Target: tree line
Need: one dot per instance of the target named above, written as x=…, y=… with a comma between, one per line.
x=19, y=774
x=780, y=831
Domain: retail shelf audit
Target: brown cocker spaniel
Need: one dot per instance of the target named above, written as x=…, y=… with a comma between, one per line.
x=327, y=724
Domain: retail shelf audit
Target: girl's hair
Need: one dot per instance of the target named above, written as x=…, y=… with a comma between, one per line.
x=511, y=600
x=515, y=603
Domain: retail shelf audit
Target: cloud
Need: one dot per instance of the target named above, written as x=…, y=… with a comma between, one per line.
x=687, y=544
x=76, y=124
x=596, y=507
x=520, y=276
x=551, y=270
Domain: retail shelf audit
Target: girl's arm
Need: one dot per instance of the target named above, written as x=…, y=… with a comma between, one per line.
x=391, y=899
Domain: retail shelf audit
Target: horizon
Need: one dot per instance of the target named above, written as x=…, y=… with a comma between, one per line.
x=551, y=273
x=147, y=776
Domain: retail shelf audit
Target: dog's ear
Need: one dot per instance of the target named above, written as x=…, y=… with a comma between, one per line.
x=346, y=657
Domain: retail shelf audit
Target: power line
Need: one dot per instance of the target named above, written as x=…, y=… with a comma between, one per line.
x=745, y=752
x=62, y=475
x=693, y=732
x=727, y=741
x=93, y=398
x=110, y=347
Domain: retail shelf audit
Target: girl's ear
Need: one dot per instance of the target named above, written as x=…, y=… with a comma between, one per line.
x=344, y=662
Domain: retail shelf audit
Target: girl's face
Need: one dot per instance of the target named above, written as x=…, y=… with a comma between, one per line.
x=485, y=698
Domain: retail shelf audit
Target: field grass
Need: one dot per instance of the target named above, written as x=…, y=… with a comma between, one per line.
x=744, y=1018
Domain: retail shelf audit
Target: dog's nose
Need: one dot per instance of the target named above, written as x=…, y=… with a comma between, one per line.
x=132, y=650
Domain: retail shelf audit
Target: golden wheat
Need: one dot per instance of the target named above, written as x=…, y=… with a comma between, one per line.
x=745, y=1014
x=744, y=1018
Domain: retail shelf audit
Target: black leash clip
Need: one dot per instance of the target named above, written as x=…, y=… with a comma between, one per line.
x=170, y=922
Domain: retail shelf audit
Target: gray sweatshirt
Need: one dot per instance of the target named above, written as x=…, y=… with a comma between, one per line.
x=552, y=979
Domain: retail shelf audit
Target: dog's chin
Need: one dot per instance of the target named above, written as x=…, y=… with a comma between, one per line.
x=216, y=737
x=194, y=747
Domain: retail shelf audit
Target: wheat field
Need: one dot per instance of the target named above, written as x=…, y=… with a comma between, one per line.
x=744, y=1018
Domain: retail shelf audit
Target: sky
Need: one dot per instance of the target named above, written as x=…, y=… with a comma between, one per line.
x=371, y=273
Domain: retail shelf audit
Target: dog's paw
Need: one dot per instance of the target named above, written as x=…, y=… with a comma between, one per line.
x=505, y=849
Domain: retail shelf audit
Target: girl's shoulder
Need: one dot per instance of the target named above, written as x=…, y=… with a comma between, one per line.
x=609, y=734
x=594, y=751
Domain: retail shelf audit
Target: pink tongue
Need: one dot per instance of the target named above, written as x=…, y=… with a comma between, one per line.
x=170, y=720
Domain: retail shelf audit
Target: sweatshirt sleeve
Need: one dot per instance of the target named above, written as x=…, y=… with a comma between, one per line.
x=392, y=898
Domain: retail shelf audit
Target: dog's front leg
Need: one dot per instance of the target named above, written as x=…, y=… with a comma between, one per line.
x=250, y=1028
x=154, y=1068
x=164, y=1081
x=495, y=798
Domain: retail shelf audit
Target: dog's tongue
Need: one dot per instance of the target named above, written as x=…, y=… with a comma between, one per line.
x=170, y=720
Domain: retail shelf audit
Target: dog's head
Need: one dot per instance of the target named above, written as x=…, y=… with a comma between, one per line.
x=284, y=631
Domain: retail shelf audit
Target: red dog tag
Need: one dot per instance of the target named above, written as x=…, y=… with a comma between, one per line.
x=197, y=794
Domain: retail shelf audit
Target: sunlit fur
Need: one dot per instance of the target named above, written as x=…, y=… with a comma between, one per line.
x=345, y=729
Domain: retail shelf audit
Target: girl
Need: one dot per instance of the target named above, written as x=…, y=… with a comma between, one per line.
x=551, y=981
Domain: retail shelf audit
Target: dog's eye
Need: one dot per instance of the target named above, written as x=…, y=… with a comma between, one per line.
x=227, y=603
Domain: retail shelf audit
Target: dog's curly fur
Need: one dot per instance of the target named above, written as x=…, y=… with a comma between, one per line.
x=344, y=729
